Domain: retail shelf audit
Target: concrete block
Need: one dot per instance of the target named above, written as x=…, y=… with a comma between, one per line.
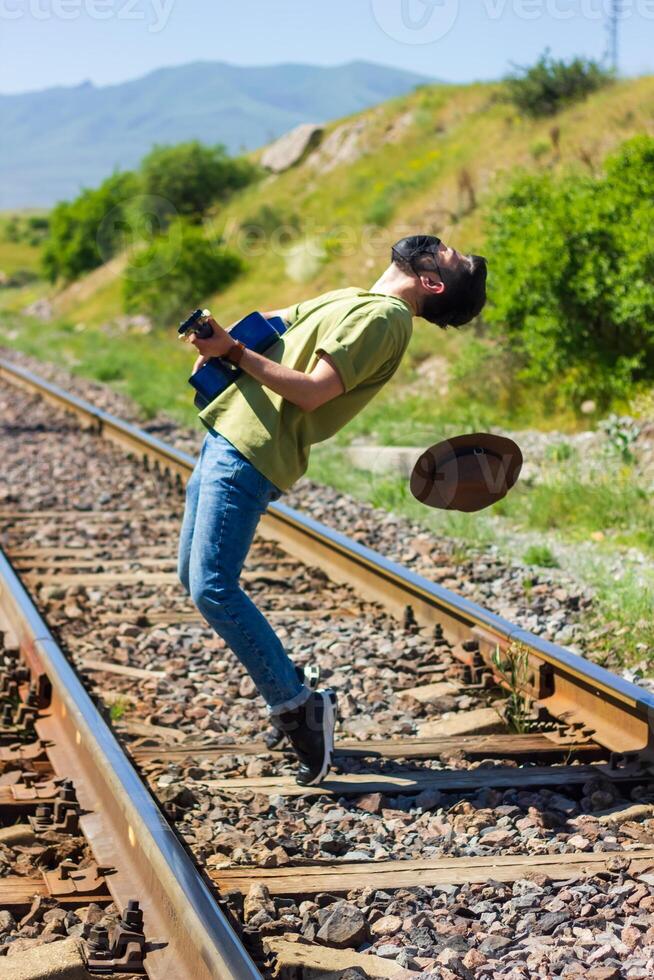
x=62, y=960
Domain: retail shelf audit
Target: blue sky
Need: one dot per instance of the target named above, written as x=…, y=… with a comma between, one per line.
x=65, y=42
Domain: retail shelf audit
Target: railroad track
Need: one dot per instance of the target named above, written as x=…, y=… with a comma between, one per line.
x=94, y=545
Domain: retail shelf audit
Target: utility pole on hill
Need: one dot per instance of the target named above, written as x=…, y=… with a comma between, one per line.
x=613, y=29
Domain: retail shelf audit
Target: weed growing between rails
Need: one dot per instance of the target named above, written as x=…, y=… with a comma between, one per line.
x=514, y=671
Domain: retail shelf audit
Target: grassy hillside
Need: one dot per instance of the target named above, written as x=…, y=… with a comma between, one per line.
x=425, y=162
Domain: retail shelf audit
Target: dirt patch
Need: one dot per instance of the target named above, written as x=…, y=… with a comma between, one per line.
x=434, y=374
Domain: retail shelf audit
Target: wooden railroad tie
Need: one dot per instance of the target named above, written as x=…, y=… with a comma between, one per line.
x=128, y=577
x=447, y=780
x=472, y=746
x=338, y=877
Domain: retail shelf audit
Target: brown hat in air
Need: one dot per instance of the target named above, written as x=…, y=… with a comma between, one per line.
x=466, y=473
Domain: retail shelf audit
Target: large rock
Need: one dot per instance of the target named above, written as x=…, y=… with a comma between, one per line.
x=258, y=899
x=292, y=147
x=644, y=449
x=343, y=145
x=385, y=459
x=41, y=309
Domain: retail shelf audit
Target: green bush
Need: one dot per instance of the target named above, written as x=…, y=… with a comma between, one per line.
x=180, y=268
x=190, y=176
x=550, y=85
x=86, y=232
x=129, y=207
x=572, y=286
x=12, y=229
x=31, y=228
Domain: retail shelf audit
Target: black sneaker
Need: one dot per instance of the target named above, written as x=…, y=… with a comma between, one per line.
x=309, y=675
x=310, y=730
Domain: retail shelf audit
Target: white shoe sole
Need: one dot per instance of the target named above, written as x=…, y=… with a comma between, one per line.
x=329, y=724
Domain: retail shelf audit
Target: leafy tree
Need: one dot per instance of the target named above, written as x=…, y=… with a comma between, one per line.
x=572, y=287
x=181, y=267
x=86, y=232
x=134, y=206
x=31, y=228
x=550, y=85
x=191, y=176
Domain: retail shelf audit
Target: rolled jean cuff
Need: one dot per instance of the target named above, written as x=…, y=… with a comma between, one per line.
x=292, y=703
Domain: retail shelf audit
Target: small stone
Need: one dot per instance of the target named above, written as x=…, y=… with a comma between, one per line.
x=246, y=688
x=345, y=927
x=39, y=907
x=333, y=843
x=579, y=843
x=256, y=768
x=548, y=922
x=600, y=953
x=474, y=958
x=388, y=925
x=54, y=915
x=452, y=961
x=54, y=928
x=7, y=921
x=260, y=918
x=179, y=795
x=90, y=915
x=429, y=799
x=406, y=960
x=388, y=951
x=601, y=799
x=371, y=802
x=494, y=945
x=496, y=838
x=630, y=936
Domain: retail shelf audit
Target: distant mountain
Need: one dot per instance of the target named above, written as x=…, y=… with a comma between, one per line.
x=61, y=139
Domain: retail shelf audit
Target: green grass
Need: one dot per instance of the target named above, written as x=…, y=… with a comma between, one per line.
x=610, y=505
x=541, y=556
x=329, y=464
x=16, y=256
x=150, y=369
x=118, y=709
x=624, y=602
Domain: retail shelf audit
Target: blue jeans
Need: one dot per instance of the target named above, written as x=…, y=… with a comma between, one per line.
x=225, y=497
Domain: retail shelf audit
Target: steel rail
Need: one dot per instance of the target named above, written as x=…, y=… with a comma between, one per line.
x=190, y=934
x=620, y=714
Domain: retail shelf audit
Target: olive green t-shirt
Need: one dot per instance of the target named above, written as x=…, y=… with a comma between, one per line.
x=364, y=333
